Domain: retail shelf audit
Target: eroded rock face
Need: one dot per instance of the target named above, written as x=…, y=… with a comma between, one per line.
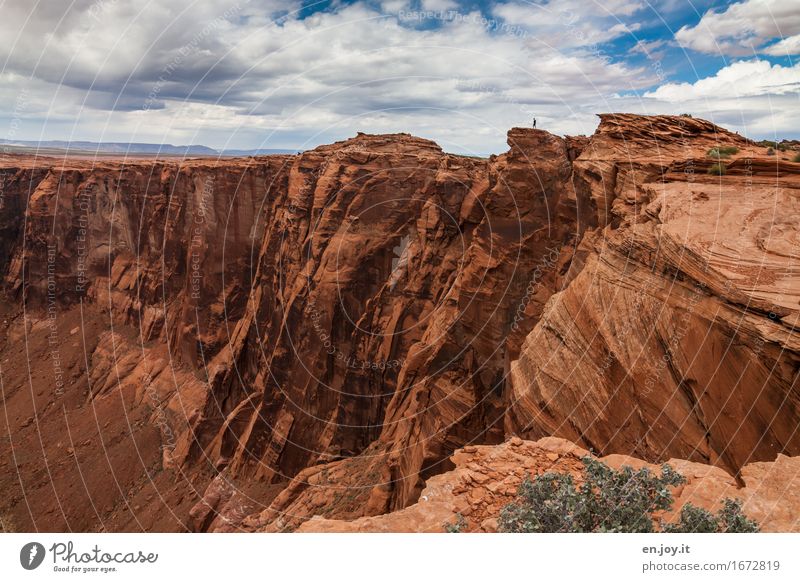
x=317, y=334
x=388, y=333
x=486, y=479
x=678, y=336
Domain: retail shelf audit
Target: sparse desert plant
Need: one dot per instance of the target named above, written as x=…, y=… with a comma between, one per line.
x=693, y=519
x=686, y=115
x=770, y=152
x=729, y=519
x=718, y=169
x=456, y=527
x=722, y=152
x=732, y=520
x=610, y=500
x=780, y=146
x=796, y=157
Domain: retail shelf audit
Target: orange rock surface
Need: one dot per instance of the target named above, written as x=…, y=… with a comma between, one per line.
x=486, y=479
x=249, y=343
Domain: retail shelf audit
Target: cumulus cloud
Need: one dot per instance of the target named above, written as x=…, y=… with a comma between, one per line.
x=239, y=73
x=210, y=68
x=570, y=23
x=754, y=97
x=741, y=79
x=745, y=28
x=787, y=46
x=439, y=4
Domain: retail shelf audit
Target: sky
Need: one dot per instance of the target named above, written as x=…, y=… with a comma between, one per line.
x=271, y=74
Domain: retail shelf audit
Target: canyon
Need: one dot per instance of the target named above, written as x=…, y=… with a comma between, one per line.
x=375, y=335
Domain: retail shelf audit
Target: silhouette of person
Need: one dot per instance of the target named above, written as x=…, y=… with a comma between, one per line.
x=534, y=123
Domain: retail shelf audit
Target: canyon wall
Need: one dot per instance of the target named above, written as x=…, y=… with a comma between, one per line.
x=248, y=343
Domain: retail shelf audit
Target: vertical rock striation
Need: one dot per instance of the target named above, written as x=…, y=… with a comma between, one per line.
x=317, y=334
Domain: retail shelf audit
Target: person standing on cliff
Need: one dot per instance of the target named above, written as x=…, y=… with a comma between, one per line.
x=534, y=123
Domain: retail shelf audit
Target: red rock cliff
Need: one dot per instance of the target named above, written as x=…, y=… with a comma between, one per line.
x=316, y=334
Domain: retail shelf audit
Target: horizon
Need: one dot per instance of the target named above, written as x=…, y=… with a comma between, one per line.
x=50, y=144
x=262, y=74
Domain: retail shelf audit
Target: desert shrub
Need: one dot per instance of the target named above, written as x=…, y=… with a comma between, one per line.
x=796, y=157
x=456, y=527
x=729, y=519
x=545, y=504
x=718, y=169
x=693, y=519
x=780, y=146
x=609, y=500
x=770, y=152
x=686, y=114
x=722, y=152
x=732, y=520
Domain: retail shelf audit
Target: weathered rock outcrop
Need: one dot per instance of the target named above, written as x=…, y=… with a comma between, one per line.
x=486, y=478
x=678, y=337
x=290, y=336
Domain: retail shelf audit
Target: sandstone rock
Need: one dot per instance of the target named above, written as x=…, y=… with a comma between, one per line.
x=675, y=326
x=335, y=329
x=774, y=507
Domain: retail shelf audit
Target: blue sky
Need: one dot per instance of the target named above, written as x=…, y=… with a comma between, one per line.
x=264, y=73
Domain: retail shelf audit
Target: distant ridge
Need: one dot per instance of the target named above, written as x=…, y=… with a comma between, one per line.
x=91, y=147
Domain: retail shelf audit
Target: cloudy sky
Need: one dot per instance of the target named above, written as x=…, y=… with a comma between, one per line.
x=265, y=73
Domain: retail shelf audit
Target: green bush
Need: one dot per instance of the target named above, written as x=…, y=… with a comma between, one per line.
x=729, y=519
x=722, y=152
x=770, y=152
x=718, y=169
x=796, y=157
x=732, y=520
x=773, y=144
x=693, y=520
x=609, y=500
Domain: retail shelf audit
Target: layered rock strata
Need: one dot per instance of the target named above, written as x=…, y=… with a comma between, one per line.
x=259, y=341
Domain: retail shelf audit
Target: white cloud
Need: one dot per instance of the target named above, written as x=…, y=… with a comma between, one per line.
x=439, y=5
x=301, y=82
x=570, y=23
x=740, y=79
x=744, y=28
x=189, y=71
x=757, y=117
x=787, y=46
x=753, y=97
